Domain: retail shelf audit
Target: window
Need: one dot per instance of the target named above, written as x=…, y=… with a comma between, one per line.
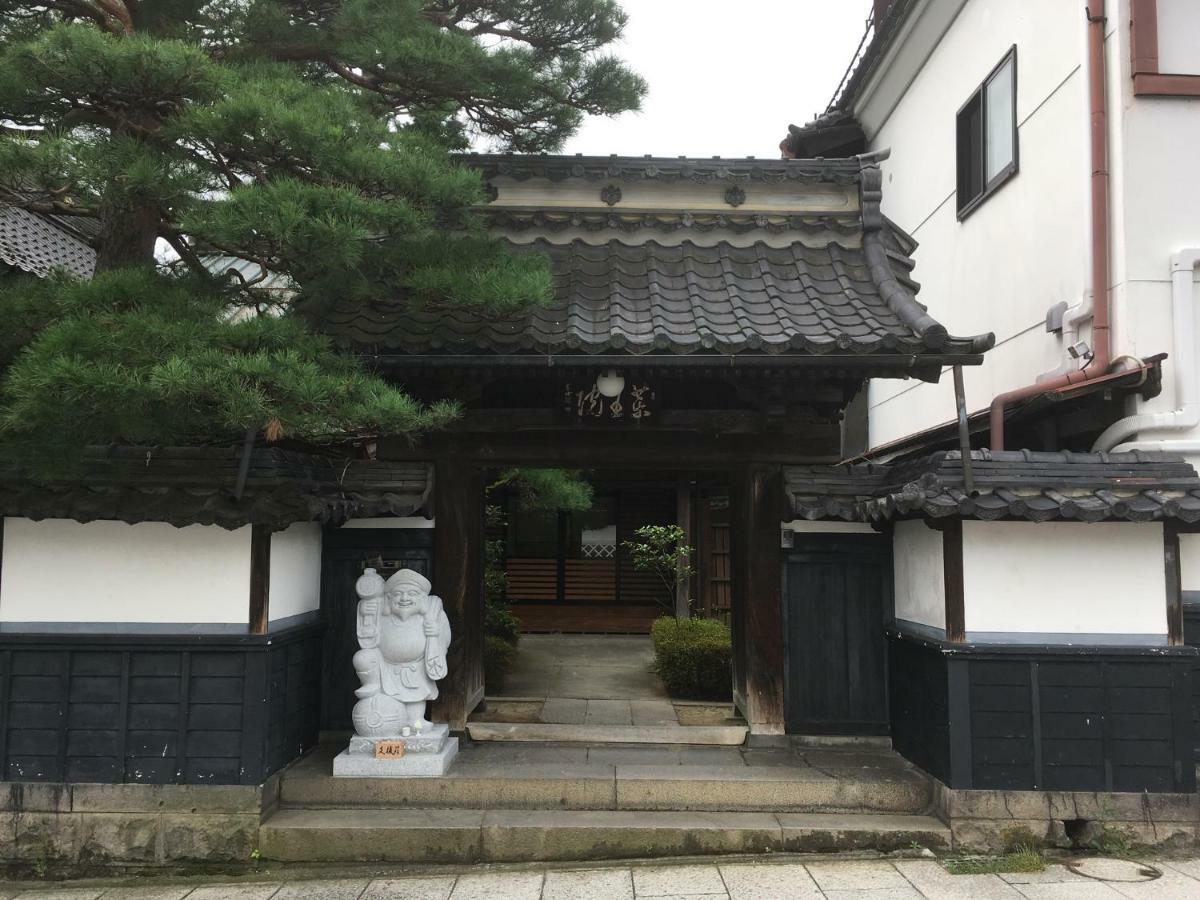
x=987, y=136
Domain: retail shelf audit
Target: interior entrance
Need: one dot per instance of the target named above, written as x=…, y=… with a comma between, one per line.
x=586, y=584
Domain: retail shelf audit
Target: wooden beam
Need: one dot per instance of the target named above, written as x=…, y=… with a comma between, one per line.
x=756, y=506
x=1174, y=579
x=458, y=580
x=683, y=518
x=260, y=578
x=952, y=571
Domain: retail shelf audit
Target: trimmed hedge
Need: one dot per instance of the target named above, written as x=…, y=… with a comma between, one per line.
x=693, y=657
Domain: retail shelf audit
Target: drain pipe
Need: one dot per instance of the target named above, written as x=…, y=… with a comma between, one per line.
x=1101, y=359
x=1187, y=415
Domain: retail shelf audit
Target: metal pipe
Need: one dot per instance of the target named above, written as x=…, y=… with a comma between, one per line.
x=1186, y=414
x=1101, y=359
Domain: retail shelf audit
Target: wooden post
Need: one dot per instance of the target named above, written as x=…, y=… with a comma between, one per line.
x=756, y=506
x=260, y=578
x=952, y=570
x=683, y=518
x=1174, y=579
x=458, y=580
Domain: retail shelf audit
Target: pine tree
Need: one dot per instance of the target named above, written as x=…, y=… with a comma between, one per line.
x=311, y=139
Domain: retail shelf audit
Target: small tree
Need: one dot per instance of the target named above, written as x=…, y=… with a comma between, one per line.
x=663, y=550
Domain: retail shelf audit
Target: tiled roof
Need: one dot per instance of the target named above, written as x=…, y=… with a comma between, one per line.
x=197, y=485
x=640, y=168
x=1019, y=484
x=40, y=244
x=683, y=299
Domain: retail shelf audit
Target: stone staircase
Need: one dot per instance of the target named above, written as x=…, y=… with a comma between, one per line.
x=528, y=802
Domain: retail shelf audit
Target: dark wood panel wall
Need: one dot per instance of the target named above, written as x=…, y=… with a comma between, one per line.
x=155, y=709
x=1041, y=718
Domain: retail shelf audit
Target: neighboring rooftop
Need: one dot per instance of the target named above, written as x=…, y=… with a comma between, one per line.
x=40, y=244
x=1017, y=484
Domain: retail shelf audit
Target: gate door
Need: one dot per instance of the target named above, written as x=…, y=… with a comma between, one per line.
x=838, y=597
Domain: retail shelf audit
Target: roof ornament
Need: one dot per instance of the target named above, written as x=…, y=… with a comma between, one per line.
x=610, y=194
x=735, y=196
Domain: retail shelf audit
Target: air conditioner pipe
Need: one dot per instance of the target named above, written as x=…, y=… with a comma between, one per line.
x=1101, y=359
x=1187, y=392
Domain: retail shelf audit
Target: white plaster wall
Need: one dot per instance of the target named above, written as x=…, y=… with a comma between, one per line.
x=390, y=522
x=295, y=586
x=1189, y=561
x=803, y=526
x=59, y=570
x=1024, y=248
x=1064, y=578
x=920, y=586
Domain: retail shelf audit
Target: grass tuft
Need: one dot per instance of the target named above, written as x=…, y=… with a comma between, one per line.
x=1023, y=860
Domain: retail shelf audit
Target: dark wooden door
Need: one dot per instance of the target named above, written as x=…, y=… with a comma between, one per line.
x=715, y=574
x=346, y=552
x=837, y=601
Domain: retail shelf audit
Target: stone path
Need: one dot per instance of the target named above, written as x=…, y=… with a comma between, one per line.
x=585, y=666
x=755, y=880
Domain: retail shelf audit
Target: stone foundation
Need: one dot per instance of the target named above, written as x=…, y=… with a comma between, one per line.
x=73, y=826
x=995, y=820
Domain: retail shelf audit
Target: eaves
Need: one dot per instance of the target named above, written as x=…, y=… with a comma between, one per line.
x=920, y=32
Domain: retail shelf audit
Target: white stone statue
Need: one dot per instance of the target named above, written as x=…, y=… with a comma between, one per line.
x=404, y=634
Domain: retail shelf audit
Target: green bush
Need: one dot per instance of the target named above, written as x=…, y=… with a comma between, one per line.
x=693, y=657
x=498, y=656
x=498, y=621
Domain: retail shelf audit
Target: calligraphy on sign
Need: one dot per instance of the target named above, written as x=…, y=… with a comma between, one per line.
x=634, y=403
x=389, y=749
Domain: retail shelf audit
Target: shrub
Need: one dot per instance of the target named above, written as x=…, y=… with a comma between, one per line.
x=498, y=621
x=693, y=657
x=498, y=656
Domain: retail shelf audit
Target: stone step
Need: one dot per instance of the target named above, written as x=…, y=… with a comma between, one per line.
x=720, y=735
x=475, y=835
x=512, y=786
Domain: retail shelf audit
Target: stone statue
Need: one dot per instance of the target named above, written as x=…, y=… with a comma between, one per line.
x=404, y=633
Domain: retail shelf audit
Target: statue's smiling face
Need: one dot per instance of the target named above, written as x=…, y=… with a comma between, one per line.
x=405, y=599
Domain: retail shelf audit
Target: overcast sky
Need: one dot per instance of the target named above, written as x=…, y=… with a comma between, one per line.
x=726, y=76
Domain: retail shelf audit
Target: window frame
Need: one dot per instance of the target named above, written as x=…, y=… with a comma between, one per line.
x=1148, y=80
x=979, y=96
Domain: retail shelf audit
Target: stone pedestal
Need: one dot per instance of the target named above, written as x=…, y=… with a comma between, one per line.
x=426, y=755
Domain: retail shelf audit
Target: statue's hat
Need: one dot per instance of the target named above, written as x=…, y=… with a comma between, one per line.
x=408, y=577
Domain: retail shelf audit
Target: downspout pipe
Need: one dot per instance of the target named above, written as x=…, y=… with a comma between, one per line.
x=1187, y=392
x=1101, y=359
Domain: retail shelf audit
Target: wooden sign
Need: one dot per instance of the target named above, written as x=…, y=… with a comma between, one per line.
x=635, y=403
x=389, y=749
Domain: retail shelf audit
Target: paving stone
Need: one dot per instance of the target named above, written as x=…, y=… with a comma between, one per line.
x=667, y=881
x=856, y=876
x=764, y=881
x=1089, y=890
x=773, y=756
x=408, y=889
x=1052, y=874
x=634, y=756
x=653, y=712
x=493, y=885
x=903, y=893
x=564, y=711
x=711, y=756
x=1187, y=867
x=147, y=893
x=340, y=889
x=608, y=712
x=261, y=891
x=932, y=880
x=597, y=884
x=1172, y=885
x=66, y=894
x=1110, y=870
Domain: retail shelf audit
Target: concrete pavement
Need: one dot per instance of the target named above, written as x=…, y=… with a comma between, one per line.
x=835, y=879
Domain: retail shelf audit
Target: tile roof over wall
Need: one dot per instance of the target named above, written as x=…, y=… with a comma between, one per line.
x=1018, y=484
x=197, y=486
x=849, y=296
